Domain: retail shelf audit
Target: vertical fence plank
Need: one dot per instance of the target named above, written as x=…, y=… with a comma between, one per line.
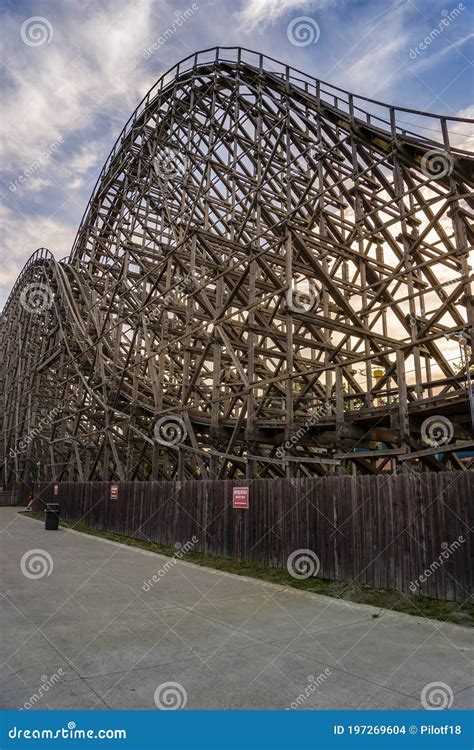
x=385, y=531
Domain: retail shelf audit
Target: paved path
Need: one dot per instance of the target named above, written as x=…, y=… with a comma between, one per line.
x=94, y=639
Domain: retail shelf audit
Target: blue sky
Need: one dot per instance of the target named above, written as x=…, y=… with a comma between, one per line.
x=72, y=78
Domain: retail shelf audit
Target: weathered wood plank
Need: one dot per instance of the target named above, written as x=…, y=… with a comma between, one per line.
x=395, y=528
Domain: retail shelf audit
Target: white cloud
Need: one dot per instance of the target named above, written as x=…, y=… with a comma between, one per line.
x=85, y=83
x=90, y=67
x=426, y=59
x=371, y=62
x=461, y=134
x=81, y=87
x=256, y=12
x=21, y=236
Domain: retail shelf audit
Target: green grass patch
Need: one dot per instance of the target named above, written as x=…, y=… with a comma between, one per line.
x=419, y=605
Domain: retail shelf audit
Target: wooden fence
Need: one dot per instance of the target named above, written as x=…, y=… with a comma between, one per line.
x=9, y=497
x=385, y=530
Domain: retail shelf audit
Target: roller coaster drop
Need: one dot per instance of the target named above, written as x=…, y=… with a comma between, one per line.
x=271, y=278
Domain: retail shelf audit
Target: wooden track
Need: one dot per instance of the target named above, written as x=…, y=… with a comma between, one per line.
x=270, y=278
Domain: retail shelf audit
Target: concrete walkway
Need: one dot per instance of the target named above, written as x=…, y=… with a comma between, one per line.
x=80, y=632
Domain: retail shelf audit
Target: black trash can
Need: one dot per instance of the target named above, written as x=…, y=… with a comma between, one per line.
x=51, y=517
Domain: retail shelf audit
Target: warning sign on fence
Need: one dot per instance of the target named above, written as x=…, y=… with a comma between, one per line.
x=114, y=491
x=240, y=497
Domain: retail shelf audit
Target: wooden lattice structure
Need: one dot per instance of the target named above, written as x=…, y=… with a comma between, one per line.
x=270, y=278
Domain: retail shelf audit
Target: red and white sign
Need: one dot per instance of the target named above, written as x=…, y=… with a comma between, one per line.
x=55, y=490
x=240, y=497
x=114, y=492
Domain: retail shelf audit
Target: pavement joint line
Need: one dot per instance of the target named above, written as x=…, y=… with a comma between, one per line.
x=69, y=661
x=340, y=669
x=158, y=641
x=127, y=584
x=148, y=651
x=193, y=658
x=337, y=660
x=246, y=620
x=303, y=630
x=263, y=594
x=335, y=601
x=435, y=631
x=85, y=677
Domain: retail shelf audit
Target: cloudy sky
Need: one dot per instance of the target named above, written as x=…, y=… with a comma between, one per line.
x=73, y=71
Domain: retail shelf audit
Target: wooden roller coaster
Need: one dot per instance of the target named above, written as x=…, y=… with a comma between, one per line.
x=271, y=277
